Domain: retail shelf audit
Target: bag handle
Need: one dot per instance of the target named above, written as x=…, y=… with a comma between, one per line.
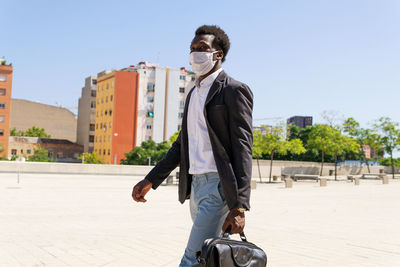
x=228, y=232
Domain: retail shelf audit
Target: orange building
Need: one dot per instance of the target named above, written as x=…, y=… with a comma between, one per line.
x=6, y=72
x=116, y=115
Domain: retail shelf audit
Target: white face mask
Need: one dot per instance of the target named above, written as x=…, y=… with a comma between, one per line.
x=202, y=62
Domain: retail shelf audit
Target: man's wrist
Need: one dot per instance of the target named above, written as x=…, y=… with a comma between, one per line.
x=240, y=210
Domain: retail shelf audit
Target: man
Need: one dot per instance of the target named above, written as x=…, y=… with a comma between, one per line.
x=214, y=147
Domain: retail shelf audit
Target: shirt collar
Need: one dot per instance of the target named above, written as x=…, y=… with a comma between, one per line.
x=209, y=79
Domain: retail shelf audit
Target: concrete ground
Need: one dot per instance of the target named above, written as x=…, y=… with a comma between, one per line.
x=76, y=220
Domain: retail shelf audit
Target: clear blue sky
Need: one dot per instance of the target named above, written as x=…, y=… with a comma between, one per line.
x=298, y=57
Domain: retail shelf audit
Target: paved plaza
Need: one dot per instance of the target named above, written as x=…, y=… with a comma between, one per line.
x=86, y=220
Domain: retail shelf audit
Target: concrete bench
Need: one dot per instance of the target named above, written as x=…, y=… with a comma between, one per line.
x=373, y=175
x=354, y=178
x=305, y=177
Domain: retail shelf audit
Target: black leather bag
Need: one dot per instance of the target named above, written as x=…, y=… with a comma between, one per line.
x=225, y=252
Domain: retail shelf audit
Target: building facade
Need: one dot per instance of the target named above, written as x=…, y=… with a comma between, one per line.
x=300, y=121
x=162, y=94
x=6, y=75
x=87, y=115
x=116, y=115
x=60, y=150
x=135, y=104
x=58, y=122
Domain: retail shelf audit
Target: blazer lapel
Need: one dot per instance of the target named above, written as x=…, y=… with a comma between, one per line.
x=215, y=87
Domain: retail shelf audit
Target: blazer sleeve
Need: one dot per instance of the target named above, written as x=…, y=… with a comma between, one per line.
x=240, y=108
x=165, y=166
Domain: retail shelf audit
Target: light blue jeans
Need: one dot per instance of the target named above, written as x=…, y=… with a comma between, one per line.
x=208, y=210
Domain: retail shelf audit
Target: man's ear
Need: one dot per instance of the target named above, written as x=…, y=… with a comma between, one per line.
x=219, y=55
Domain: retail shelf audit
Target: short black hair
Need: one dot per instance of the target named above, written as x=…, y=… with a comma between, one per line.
x=221, y=38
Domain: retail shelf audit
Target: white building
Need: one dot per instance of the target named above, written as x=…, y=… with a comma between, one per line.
x=162, y=92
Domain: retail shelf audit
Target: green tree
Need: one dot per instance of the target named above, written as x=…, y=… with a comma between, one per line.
x=321, y=139
x=13, y=132
x=173, y=138
x=147, y=150
x=387, y=162
x=90, y=158
x=271, y=141
x=364, y=137
x=40, y=154
x=340, y=144
x=37, y=132
x=31, y=132
x=390, y=139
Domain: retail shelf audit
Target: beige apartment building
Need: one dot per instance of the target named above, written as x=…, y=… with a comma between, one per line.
x=87, y=115
x=59, y=122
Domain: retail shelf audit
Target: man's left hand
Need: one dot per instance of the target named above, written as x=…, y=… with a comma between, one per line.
x=235, y=220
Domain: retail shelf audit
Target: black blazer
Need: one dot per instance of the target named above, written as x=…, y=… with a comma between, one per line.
x=228, y=115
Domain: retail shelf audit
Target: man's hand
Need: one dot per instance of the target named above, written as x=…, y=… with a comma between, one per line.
x=235, y=220
x=140, y=190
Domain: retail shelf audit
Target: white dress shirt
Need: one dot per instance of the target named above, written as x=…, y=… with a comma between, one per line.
x=201, y=158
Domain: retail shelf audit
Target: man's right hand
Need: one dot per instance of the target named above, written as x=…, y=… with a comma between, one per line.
x=140, y=190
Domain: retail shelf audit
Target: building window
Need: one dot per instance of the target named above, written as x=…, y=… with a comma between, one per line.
x=111, y=98
x=2, y=91
x=3, y=78
x=108, y=152
x=112, y=84
x=181, y=89
x=105, y=112
x=97, y=126
x=148, y=126
x=1, y=132
x=1, y=118
x=109, y=138
x=28, y=151
x=91, y=127
x=150, y=99
x=101, y=113
x=13, y=152
x=91, y=138
x=93, y=104
x=182, y=77
x=22, y=151
x=105, y=139
x=2, y=105
x=104, y=152
x=94, y=82
x=107, y=86
x=150, y=86
x=93, y=93
x=96, y=139
x=59, y=155
x=193, y=78
x=180, y=115
x=181, y=104
x=110, y=112
x=106, y=99
x=102, y=100
x=50, y=154
x=109, y=125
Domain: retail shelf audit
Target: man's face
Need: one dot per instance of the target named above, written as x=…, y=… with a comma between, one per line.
x=202, y=43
